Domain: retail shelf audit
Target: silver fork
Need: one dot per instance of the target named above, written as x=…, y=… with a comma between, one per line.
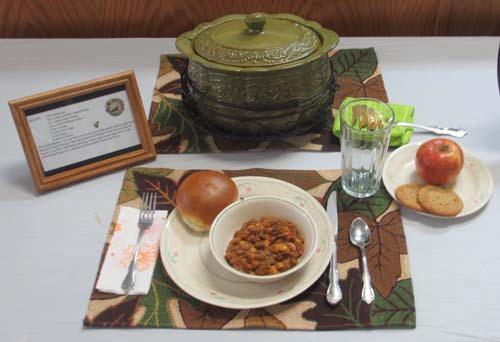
x=439, y=130
x=145, y=221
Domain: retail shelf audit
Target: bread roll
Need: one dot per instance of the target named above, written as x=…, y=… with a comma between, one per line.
x=202, y=196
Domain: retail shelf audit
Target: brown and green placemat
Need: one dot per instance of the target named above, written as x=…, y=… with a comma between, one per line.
x=358, y=75
x=167, y=306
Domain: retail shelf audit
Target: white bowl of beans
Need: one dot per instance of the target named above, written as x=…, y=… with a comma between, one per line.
x=263, y=238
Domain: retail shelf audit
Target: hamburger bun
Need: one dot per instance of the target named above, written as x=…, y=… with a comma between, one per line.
x=202, y=196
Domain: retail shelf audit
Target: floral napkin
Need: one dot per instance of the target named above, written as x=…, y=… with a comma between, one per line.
x=121, y=251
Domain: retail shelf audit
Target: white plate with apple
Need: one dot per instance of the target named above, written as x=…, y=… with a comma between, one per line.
x=474, y=183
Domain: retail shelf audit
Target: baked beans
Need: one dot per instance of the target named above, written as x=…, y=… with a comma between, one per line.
x=265, y=246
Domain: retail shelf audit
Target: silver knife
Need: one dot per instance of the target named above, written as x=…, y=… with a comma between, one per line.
x=333, y=293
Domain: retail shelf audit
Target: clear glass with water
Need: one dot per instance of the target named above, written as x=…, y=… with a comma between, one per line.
x=365, y=132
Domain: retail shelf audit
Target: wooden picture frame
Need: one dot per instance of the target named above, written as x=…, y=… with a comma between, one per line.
x=60, y=144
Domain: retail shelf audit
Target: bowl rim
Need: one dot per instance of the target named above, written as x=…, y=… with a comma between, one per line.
x=305, y=259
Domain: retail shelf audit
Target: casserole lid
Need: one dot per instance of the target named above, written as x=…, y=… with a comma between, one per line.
x=256, y=40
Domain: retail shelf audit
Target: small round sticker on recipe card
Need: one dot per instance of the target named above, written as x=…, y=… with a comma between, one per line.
x=115, y=106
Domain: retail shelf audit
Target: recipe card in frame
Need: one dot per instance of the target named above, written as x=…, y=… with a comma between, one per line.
x=83, y=130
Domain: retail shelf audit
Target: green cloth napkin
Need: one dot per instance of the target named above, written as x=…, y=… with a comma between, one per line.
x=399, y=135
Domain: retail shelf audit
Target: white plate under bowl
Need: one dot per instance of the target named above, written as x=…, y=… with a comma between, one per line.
x=188, y=260
x=474, y=185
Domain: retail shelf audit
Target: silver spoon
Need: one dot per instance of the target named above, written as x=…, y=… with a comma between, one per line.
x=360, y=236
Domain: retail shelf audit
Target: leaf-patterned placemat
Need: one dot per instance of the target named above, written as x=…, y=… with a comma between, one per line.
x=167, y=306
x=358, y=75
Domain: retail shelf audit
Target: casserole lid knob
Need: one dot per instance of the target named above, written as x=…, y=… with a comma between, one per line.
x=255, y=22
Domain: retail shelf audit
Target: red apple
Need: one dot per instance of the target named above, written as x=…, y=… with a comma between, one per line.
x=439, y=161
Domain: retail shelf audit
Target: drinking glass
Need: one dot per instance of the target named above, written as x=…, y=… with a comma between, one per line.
x=364, y=145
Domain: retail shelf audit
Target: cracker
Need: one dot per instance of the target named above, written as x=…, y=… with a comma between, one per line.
x=408, y=195
x=439, y=201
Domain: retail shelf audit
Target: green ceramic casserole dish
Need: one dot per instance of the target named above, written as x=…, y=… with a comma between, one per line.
x=258, y=75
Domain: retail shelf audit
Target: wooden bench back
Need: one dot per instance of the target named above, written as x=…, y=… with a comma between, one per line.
x=169, y=18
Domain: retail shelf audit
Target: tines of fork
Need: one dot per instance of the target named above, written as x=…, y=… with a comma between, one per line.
x=148, y=208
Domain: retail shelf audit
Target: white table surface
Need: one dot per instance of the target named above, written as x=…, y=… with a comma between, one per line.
x=51, y=244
